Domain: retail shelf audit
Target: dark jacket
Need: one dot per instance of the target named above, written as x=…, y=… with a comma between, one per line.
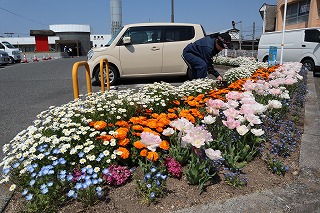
x=204, y=48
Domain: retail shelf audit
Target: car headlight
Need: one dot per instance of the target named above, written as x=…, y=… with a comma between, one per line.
x=89, y=55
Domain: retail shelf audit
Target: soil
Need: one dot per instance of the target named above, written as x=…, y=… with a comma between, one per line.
x=180, y=194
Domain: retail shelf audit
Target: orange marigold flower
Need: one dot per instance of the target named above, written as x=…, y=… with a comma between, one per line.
x=121, y=133
x=155, y=115
x=122, y=123
x=100, y=125
x=137, y=128
x=91, y=123
x=125, y=153
x=105, y=137
x=176, y=102
x=159, y=129
x=139, y=145
x=123, y=142
x=144, y=152
x=153, y=156
x=164, y=145
x=152, y=123
x=172, y=116
x=171, y=110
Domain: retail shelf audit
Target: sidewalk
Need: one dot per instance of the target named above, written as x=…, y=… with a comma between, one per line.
x=301, y=196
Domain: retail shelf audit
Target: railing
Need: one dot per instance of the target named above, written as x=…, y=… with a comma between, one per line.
x=88, y=79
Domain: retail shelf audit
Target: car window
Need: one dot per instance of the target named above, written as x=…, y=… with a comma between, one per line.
x=143, y=35
x=178, y=33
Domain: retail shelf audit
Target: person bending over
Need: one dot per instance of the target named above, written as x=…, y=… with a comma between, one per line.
x=200, y=53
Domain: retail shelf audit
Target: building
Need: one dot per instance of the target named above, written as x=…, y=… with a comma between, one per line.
x=300, y=14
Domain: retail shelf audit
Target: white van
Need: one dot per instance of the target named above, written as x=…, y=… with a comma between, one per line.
x=14, y=53
x=300, y=45
x=146, y=49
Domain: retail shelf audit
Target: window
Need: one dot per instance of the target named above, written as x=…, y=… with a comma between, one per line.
x=178, y=33
x=143, y=35
x=298, y=12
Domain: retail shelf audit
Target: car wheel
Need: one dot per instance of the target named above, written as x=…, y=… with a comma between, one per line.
x=309, y=65
x=11, y=60
x=265, y=59
x=113, y=75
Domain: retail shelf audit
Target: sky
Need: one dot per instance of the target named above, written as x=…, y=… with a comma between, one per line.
x=19, y=17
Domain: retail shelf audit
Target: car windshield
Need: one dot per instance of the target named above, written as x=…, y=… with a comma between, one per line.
x=7, y=44
x=114, y=36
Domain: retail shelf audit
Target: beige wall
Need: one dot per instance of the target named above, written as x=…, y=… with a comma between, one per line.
x=313, y=21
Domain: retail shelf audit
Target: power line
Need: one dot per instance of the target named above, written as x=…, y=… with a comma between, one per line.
x=22, y=16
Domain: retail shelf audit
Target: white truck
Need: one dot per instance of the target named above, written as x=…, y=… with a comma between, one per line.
x=300, y=45
x=13, y=52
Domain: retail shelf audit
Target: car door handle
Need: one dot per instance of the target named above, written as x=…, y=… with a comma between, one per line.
x=303, y=45
x=155, y=48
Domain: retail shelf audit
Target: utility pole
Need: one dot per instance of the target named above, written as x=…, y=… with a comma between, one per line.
x=253, y=34
x=172, y=11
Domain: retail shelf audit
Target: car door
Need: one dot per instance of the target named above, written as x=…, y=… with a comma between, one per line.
x=176, y=38
x=143, y=56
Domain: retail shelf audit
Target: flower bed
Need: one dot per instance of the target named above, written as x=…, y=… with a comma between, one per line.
x=83, y=149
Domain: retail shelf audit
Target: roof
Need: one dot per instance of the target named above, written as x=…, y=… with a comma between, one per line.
x=42, y=33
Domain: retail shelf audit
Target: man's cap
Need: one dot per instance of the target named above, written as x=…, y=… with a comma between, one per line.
x=225, y=39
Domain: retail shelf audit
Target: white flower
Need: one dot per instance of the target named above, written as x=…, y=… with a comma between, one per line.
x=274, y=104
x=168, y=131
x=106, y=152
x=82, y=161
x=209, y=119
x=213, y=154
x=12, y=187
x=242, y=130
x=257, y=132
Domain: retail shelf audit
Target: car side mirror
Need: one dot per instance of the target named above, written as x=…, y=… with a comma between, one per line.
x=312, y=35
x=126, y=40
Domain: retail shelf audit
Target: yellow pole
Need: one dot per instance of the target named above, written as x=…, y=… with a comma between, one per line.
x=107, y=74
x=75, y=78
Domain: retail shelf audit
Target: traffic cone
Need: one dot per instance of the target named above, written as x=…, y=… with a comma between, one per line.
x=49, y=57
x=35, y=59
x=44, y=57
x=24, y=59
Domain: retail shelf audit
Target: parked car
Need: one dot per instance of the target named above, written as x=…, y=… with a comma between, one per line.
x=13, y=52
x=4, y=58
x=301, y=45
x=146, y=49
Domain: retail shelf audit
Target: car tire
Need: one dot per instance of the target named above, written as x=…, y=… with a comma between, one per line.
x=113, y=75
x=11, y=60
x=309, y=65
x=265, y=59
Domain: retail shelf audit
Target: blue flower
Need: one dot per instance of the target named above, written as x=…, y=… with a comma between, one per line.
x=71, y=193
x=78, y=186
x=105, y=171
x=62, y=161
x=153, y=169
x=43, y=186
x=45, y=190
x=149, y=185
x=56, y=151
x=16, y=165
x=50, y=183
x=29, y=197
x=148, y=176
x=81, y=154
x=32, y=182
x=98, y=189
x=24, y=192
x=152, y=195
x=89, y=170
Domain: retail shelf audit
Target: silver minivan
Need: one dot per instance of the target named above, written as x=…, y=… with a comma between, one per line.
x=144, y=50
x=4, y=58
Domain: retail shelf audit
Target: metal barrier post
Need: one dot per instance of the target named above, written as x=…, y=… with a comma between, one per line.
x=75, y=78
x=107, y=74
